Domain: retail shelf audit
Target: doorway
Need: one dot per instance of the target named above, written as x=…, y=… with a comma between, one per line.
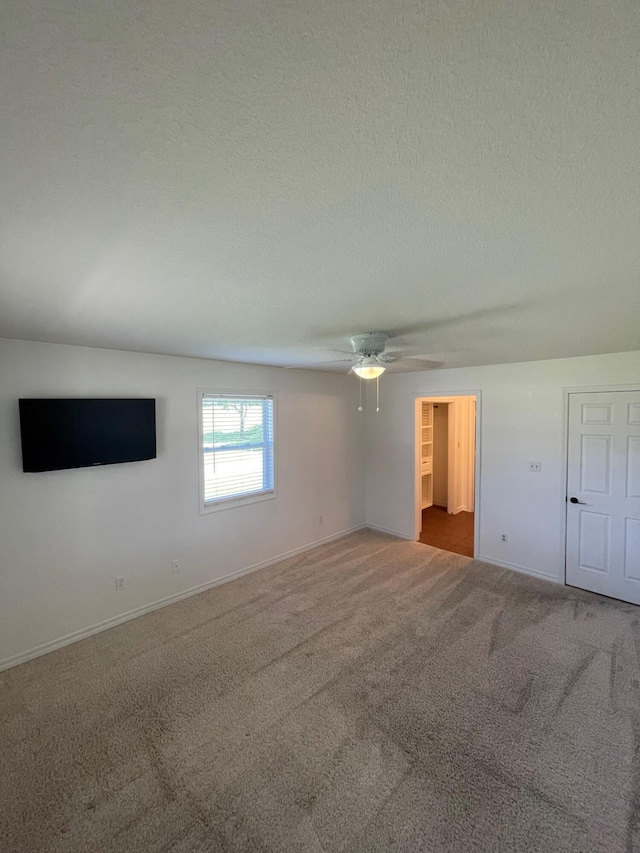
x=446, y=473
x=603, y=493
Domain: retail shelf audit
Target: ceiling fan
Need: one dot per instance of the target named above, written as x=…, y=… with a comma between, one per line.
x=369, y=358
x=371, y=355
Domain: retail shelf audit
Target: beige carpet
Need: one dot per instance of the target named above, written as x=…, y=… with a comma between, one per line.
x=371, y=695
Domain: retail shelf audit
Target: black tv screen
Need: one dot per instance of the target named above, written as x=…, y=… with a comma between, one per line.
x=81, y=433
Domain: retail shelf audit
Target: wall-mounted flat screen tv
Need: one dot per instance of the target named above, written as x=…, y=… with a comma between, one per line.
x=81, y=433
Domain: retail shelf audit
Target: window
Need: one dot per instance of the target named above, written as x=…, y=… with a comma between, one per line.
x=236, y=441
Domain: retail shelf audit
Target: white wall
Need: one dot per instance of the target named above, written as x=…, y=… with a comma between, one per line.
x=66, y=535
x=522, y=420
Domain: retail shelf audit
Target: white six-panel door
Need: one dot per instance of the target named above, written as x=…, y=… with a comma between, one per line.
x=603, y=493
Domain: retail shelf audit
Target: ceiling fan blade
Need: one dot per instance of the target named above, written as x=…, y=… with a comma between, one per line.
x=397, y=331
x=457, y=319
x=317, y=364
x=408, y=365
x=331, y=349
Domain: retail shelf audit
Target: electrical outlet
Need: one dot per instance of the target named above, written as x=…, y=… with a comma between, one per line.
x=175, y=565
x=120, y=584
x=504, y=537
x=535, y=467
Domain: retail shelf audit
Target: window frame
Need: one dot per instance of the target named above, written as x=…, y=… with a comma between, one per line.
x=234, y=500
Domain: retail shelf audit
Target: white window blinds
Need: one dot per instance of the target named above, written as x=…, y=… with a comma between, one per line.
x=237, y=446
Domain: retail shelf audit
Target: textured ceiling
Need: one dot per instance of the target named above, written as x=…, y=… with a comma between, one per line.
x=256, y=180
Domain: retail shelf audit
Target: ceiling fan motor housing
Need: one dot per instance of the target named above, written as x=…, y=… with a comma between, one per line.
x=371, y=343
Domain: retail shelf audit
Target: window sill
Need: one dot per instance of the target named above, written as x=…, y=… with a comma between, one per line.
x=233, y=503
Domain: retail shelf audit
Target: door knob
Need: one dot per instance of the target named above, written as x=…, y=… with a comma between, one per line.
x=576, y=501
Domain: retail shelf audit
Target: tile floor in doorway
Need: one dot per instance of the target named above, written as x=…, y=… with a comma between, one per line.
x=448, y=532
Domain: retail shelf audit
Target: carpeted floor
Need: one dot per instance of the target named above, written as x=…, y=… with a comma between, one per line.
x=371, y=695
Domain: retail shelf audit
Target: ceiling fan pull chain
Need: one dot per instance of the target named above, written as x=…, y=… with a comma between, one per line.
x=360, y=406
x=377, y=393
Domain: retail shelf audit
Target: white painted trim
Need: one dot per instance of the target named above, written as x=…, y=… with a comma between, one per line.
x=523, y=570
x=83, y=633
x=596, y=389
x=238, y=500
x=477, y=484
x=453, y=468
x=564, y=475
x=379, y=529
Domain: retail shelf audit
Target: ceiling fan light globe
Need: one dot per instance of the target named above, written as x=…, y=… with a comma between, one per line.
x=369, y=371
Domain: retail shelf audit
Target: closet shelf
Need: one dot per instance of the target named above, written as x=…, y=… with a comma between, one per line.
x=426, y=455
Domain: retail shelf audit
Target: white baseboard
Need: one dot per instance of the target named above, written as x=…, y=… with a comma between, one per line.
x=523, y=570
x=379, y=529
x=83, y=633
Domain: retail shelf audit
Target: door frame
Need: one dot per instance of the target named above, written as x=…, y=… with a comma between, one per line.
x=566, y=394
x=477, y=485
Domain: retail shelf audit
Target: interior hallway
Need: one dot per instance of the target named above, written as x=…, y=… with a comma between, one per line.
x=448, y=532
